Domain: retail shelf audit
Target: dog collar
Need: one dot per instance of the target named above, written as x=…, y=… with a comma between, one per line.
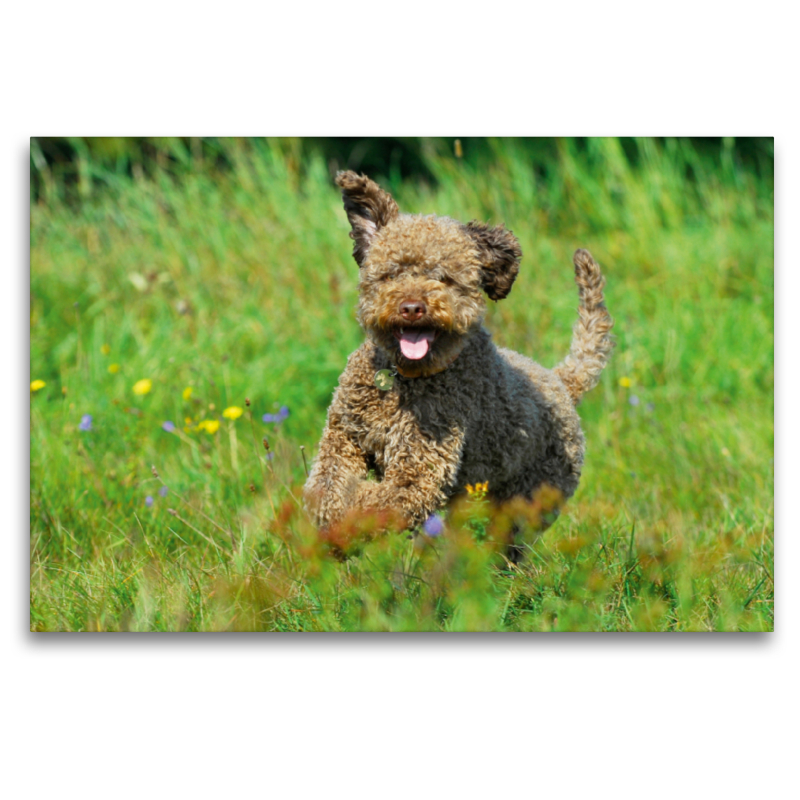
x=384, y=378
x=441, y=369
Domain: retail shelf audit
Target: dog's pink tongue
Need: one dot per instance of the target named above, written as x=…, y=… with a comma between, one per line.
x=414, y=343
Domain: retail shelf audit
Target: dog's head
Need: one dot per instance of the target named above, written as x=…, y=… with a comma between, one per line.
x=423, y=279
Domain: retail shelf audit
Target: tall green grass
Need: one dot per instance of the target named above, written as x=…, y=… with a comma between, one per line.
x=237, y=281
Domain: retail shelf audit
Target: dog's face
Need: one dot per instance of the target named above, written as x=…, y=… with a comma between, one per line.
x=423, y=278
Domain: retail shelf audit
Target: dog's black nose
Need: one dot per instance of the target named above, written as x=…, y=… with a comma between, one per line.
x=412, y=310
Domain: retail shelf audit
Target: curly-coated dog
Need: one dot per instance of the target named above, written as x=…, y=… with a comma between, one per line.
x=428, y=403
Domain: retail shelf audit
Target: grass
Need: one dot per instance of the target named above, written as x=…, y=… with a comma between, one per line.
x=237, y=281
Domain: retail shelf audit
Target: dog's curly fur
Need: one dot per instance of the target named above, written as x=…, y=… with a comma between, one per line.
x=467, y=411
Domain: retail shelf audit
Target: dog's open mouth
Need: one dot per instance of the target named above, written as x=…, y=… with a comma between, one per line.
x=415, y=342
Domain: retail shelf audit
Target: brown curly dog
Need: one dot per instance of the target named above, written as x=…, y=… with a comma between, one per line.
x=428, y=403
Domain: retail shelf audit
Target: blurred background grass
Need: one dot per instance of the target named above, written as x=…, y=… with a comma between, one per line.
x=224, y=266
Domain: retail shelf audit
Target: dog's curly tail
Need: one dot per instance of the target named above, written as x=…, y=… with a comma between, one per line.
x=592, y=342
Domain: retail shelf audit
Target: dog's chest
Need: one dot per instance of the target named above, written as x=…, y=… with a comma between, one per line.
x=405, y=414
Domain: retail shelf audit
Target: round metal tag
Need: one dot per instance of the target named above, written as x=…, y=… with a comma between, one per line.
x=384, y=379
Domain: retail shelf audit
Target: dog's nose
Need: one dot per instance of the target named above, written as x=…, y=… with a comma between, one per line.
x=412, y=310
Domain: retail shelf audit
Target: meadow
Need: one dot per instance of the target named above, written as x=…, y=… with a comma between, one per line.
x=184, y=314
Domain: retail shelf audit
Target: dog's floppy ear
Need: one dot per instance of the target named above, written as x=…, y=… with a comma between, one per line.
x=499, y=253
x=368, y=208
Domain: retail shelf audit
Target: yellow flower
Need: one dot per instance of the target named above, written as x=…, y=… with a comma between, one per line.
x=470, y=489
x=626, y=383
x=208, y=425
x=143, y=386
x=187, y=420
x=233, y=412
x=113, y=368
x=36, y=385
x=187, y=392
x=483, y=487
x=105, y=349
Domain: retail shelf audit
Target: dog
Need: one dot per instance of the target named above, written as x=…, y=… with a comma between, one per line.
x=428, y=404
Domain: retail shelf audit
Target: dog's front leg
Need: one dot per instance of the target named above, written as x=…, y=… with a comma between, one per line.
x=417, y=473
x=337, y=472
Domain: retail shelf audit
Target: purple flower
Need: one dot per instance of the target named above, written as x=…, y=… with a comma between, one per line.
x=148, y=501
x=85, y=423
x=634, y=400
x=270, y=456
x=283, y=412
x=434, y=525
x=163, y=491
x=168, y=426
